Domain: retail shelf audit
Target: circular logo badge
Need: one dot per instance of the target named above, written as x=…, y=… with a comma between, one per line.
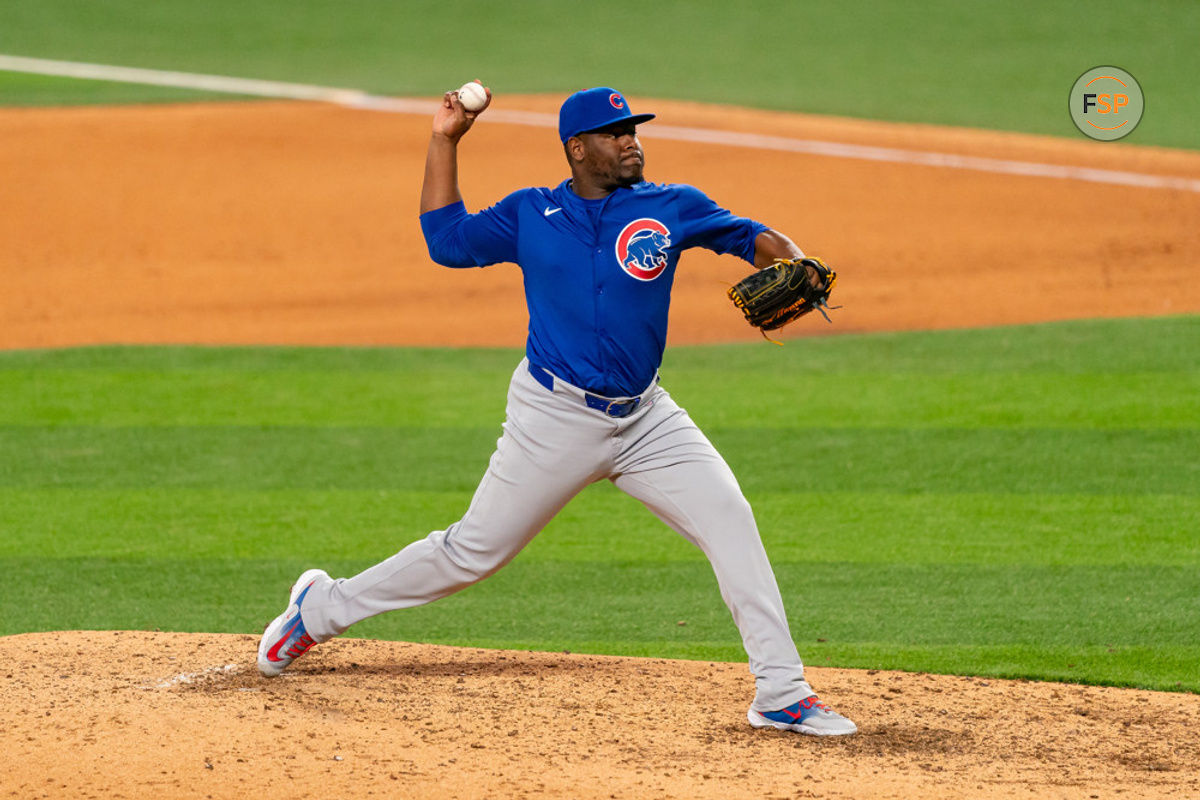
x=642, y=248
x=616, y=100
x=1106, y=103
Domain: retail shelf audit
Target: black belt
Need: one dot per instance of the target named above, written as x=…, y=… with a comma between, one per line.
x=613, y=408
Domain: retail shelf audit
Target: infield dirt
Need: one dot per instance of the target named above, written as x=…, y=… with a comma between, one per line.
x=159, y=715
x=289, y=223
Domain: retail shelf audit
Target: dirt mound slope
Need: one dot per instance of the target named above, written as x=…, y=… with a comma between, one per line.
x=153, y=715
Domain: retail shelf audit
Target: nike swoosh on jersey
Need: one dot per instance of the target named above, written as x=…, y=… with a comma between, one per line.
x=550, y=211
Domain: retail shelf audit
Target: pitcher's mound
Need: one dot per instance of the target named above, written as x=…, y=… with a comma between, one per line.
x=157, y=715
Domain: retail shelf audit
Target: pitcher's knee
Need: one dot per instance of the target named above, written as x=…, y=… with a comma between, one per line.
x=732, y=510
x=729, y=521
x=473, y=562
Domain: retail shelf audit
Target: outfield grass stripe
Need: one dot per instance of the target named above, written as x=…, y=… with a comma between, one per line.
x=118, y=398
x=1124, y=625
x=1140, y=401
x=999, y=461
x=356, y=98
x=1097, y=346
x=812, y=527
x=929, y=528
x=934, y=604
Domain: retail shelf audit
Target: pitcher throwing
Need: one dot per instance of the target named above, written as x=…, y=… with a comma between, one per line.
x=598, y=254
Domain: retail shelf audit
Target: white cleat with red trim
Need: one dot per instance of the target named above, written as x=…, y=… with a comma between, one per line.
x=809, y=716
x=285, y=639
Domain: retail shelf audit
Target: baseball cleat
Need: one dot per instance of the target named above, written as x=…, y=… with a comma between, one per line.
x=285, y=639
x=809, y=716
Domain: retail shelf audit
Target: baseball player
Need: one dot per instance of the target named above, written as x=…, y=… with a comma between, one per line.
x=598, y=255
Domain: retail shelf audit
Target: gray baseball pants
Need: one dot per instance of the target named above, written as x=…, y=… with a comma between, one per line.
x=552, y=447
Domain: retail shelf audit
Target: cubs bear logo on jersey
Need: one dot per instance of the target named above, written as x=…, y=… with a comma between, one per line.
x=642, y=248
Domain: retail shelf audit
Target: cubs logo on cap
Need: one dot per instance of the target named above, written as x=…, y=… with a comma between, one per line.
x=642, y=248
x=596, y=108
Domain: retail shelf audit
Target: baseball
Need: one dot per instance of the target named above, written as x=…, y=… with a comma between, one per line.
x=472, y=96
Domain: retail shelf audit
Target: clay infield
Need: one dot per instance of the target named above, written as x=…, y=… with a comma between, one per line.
x=291, y=223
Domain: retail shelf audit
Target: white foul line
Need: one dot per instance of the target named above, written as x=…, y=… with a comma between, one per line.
x=927, y=159
x=356, y=98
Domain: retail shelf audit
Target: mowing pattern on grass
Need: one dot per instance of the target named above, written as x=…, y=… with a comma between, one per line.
x=1014, y=502
x=1006, y=66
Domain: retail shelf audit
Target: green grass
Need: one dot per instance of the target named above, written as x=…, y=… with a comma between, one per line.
x=985, y=64
x=1011, y=502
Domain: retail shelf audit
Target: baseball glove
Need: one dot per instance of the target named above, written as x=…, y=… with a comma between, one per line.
x=774, y=296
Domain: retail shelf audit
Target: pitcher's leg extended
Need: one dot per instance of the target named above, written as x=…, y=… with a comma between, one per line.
x=547, y=454
x=509, y=508
x=672, y=467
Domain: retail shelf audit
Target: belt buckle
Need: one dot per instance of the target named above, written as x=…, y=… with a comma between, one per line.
x=612, y=408
x=621, y=408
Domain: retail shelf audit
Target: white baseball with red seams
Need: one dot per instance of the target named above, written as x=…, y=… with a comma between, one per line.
x=472, y=96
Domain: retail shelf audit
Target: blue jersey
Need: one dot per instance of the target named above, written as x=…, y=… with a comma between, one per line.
x=597, y=273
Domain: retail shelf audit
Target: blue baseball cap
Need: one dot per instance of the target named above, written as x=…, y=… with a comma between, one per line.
x=595, y=108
